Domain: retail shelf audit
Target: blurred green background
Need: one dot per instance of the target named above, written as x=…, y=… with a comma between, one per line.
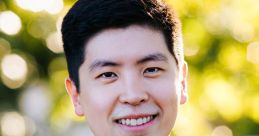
x=221, y=40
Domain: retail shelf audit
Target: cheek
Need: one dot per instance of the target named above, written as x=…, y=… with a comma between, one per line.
x=164, y=90
x=166, y=96
x=98, y=100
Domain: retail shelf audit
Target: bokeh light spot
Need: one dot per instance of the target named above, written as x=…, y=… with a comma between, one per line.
x=253, y=52
x=232, y=56
x=225, y=99
x=13, y=124
x=33, y=5
x=10, y=23
x=35, y=102
x=222, y=131
x=191, y=51
x=14, y=67
x=54, y=42
x=51, y=6
x=244, y=33
x=55, y=6
x=197, y=126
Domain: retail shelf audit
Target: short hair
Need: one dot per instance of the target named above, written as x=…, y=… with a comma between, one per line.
x=88, y=17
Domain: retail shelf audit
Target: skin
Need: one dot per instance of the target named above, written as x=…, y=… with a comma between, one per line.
x=128, y=73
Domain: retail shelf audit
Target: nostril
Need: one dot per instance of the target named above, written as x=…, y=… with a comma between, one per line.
x=134, y=101
x=142, y=100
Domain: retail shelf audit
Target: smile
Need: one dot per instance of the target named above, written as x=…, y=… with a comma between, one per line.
x=133, y=121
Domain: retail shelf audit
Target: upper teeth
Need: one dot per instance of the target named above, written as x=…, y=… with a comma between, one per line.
x=135, y=122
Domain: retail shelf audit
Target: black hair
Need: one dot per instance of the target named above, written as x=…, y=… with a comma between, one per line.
x=87, y=17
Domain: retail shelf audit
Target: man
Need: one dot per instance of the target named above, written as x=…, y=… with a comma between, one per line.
x=127, y=73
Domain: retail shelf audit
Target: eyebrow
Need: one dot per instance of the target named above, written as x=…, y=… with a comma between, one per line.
x=102, y=63
x=153, y=57
x=106, y=63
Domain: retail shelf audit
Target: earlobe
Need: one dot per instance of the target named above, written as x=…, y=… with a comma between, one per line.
x=184, y=72
x=74, y=96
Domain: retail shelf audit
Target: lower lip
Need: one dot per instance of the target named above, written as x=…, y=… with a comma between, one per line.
x=139, y=127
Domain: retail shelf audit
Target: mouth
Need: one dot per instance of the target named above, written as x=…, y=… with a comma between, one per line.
x=136, y=120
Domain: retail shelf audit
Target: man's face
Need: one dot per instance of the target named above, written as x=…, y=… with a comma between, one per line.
x=129, y=83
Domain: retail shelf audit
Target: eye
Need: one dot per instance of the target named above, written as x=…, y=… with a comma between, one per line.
x=107, y=75
x=152, y=70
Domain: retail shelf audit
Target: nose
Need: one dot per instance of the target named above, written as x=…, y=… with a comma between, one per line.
x=134, y=92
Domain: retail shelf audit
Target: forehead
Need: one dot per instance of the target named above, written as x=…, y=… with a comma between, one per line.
x=126, y=44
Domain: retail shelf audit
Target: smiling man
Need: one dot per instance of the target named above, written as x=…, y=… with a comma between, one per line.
x=127, y=72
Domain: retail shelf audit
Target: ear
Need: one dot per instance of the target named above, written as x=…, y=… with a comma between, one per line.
x=184, y=73
x=74, y=96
